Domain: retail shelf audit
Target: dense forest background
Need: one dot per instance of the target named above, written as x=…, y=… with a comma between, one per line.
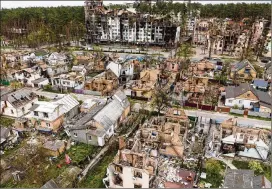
x=53, y=24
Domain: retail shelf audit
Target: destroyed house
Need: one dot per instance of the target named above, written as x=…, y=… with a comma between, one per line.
x=97, y=125
x=102, y=84
x=136, y=163
x=122, y=25
x=18, y=103
x=244, y=142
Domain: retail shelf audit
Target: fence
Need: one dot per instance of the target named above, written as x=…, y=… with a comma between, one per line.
x=260, y=114
x=200, y=106
x=237, y=111
x=223, y=109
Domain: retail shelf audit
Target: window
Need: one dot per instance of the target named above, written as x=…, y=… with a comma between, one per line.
x=36, y=113
x=240, y=101
x=89, y=138
x=23, y=109
x=173, y=66
x=75, y=134
x=137, y=174
x=230, y=101
x=45, y=115
x=32, y=103
x=48, y=124
x=12, y=111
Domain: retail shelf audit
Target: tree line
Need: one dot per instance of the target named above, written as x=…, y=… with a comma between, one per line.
x=43, y=25
x=236, y=11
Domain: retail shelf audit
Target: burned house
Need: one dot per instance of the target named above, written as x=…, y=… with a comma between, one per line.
x=244, y=141
x=137, y=161
x=143, y=88
x=122, y=25
x=102, y=84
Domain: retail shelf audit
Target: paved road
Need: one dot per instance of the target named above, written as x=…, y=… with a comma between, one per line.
x=221, y=117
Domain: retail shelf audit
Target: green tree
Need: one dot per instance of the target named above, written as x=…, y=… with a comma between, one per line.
x=160, y=100
x=214, y=176
x=256, y=167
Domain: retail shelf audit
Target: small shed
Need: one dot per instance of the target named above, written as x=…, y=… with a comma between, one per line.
x=54, y=148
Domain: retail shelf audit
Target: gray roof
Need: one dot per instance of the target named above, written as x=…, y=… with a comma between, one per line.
x=81, y=123
x=260, y=83
x=234, y=91
x=53, y=145
x=50, y=184
x=239, y=65
x=264, y=97
x=37, y=81
x=239, y=178
x=113, y=110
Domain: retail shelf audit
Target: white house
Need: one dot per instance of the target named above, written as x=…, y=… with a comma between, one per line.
x=243, y=96
x=18, y=103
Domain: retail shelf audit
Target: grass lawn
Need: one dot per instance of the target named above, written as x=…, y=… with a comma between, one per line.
x=80, y=151
x=245, y=165
x=5, y=121
x=95, y=176
x=259, y=118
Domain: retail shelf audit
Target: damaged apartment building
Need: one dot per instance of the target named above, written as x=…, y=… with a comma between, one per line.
x=104, y=25
x=136, y=164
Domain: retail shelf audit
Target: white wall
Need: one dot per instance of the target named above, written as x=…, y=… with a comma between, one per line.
x=239, y=102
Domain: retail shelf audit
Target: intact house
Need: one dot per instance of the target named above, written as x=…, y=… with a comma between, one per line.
x=18, y=103
x=243, y=70
x=69, y=81
x=245, y=96
x=57, y=63
x=260, y=84
x=27, y=76
x=103, y=83
x=243, y=141
x=97, y=125
x=49, y=116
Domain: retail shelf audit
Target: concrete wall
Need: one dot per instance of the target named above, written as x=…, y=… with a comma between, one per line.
x=261, y=114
